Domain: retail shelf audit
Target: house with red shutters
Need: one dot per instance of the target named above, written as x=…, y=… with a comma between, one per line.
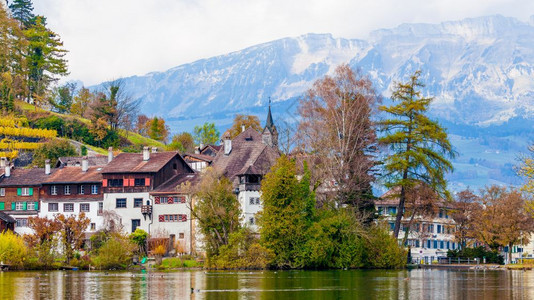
x=141, y=190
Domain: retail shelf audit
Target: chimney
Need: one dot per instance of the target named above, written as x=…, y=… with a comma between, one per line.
x=201, y=146
x=227, y=145
x=243, y=128
x=3, y=162
x=146, y=154
x=7, y=171
x=110, y=154
x=47, y=167
x=154, y=149
x=85, y=164
x=197, y=150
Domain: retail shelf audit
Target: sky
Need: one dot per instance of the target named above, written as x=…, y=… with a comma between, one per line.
x=109, y=39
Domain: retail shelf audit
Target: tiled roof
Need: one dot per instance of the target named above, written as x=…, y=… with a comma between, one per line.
x=6, y=218
x=98, y=160
x=134, y=163
x=72, y=174
x=206, y=158
x=170, y=186
x=249, y=155
x=26, y=177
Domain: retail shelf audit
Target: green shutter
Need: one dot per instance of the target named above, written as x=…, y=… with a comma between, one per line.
x=19, y=192
x=13, y=205
x=36, y=205
x=31, y=191
x=2, y=206
x=24, y=205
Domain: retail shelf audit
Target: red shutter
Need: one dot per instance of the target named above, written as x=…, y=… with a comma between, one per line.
x=104, y=182
x=125, y=182
x=132, y=182
x=147, y=181
x=170, y=200
x=182, y=199
x=162, y=218
x=156, y=200
x=184, y=218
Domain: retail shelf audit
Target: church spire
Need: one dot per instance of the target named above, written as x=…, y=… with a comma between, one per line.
x=270, y=134
x=269, y=124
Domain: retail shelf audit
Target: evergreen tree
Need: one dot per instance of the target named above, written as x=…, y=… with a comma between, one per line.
x=22, y=10
x=420, y=147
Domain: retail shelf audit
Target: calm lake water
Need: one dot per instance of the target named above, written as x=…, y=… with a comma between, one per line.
x=354, y=284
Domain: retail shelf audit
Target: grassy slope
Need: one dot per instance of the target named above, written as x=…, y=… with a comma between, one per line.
x=133, y=137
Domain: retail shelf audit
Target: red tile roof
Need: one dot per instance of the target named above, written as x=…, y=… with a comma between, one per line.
x=71, y=174
x=134, y=163
x=25, y=177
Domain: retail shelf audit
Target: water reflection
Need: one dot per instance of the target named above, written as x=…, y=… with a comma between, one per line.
x=368, y=284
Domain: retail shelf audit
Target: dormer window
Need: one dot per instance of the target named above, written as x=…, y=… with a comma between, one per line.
x=67, y=190
x=53, y=190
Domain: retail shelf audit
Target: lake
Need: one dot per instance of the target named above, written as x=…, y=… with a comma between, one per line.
x=280, y=285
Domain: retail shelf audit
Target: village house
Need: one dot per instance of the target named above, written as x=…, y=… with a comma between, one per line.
x=19, y=194
x=245, y=160
x=73, y=189
x=140, y=190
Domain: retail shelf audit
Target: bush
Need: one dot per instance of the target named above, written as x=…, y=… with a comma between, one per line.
x=492, y=257
x=44, y=256
x=115, y=253
x=383, y=250
x=52, y=150
x=13, y=251
x=242, y=252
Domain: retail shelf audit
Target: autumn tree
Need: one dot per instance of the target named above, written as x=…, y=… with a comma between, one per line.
x=43, y=229
x=182, y=142
x=464, y=209
x=216, y=209
x=142, y=125
x=336, y=127
x=248, y=121
x=113, y=105
x=81, y=102
x=45, y=58
x=206, y=134
x=526, y=169
x=158, y=130
x=419, y=147
x=72, y=229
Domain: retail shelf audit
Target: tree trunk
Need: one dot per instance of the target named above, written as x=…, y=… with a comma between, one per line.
x=400, y=211
x=510, y=245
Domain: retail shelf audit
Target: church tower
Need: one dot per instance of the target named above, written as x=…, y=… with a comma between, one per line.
x=270, y=134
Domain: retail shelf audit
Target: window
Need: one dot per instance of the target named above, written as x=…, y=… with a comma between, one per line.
x=251, y=221
x=254, y=200
x=428, y=244
x=84, y=207
x=172, y=218
x=93, y=226
x=139, y=182
x=26, y=191
x=20, y=205
x=181, y=235
x=115, y=182
x=53, y=190
x=135, y=223
x=31, y=206
x=435, y=244
x=22, y=222
x=439, y=228
x=100, y=205
x=82, y=190
x=68, y=207
x=67, y=190
x=138, y=202
x=120, y=203
x=441, y=245
x=417, y=243
x=53, y=207
x=2, y=192
x=94, y=189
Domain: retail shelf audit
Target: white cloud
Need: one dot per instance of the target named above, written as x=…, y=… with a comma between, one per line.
x=114, y=38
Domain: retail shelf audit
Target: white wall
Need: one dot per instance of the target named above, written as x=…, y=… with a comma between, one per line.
x=248, y=210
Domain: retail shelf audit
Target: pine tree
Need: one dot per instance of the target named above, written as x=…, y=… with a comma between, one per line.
x=22, y=10
x=419, y=146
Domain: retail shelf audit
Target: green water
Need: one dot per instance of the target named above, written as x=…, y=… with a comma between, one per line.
x=354, y=284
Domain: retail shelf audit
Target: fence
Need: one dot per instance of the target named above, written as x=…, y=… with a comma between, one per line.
x=448, y=261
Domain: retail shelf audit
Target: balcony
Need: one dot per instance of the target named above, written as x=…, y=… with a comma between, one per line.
x=146, y=209
x=249, y=187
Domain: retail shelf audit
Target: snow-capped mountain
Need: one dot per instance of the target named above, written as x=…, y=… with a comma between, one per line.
x=480, y=72
x=483, y=65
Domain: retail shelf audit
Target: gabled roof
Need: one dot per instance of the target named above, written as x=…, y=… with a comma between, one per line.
x=71, y=174
x=249, y=155
x=25, y=177
x=134, y=163
x=170, y=186
x=6, y=218
x=198, y=157
x=98, y=160
x=211, y=148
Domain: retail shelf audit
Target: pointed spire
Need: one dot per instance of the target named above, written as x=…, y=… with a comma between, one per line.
x=269, y=124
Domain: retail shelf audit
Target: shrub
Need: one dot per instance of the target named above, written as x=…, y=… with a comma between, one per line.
x=242, y=252
x=13, y=251
x=477, y=252
x=383, y=250
x=115, y=253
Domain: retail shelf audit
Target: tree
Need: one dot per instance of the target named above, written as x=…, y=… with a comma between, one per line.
x=53, y=150
x=182, y=142
x=158, y=130
x=72, y=229
x=336, y=127
x=63, y=97
x=81, y=102
x=141, y=126
x=45, y=59
x=248, y=121
x=419, y=146
x=465, y=208
x=216, y=209
x=22, y=10
x=504, y=220
x=288, y=212
x=44, y=229
x=206, y=134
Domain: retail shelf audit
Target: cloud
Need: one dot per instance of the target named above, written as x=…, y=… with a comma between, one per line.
x=114, y=38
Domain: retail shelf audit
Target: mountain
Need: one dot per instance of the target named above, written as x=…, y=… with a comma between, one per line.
x=480, y=72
